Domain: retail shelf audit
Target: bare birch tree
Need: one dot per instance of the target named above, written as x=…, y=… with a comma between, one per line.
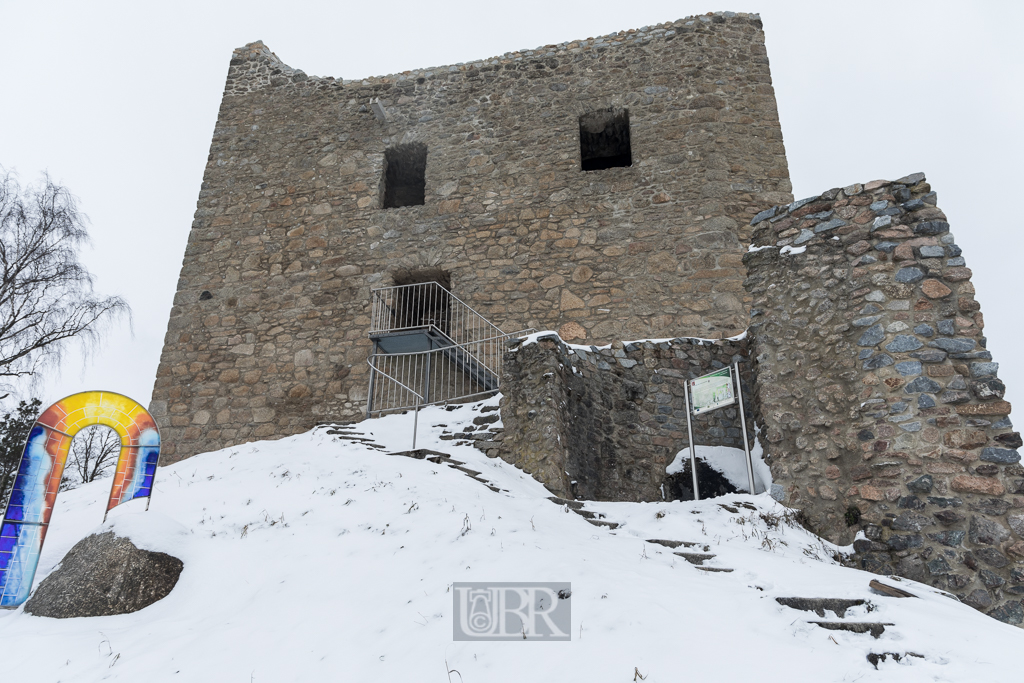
x=46, y=297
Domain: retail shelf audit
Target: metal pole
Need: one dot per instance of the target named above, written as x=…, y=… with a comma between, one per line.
x=369, y=394
x=743, y=422
x=415, y=422
x=426, y=386
x=689, y=430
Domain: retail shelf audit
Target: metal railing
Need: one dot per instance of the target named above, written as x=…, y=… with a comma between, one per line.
x=404, y=381
x=427, y=304
x=461, y=358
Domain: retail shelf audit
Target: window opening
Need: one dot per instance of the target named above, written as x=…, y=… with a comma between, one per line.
x=404, y=179
x=604, y=140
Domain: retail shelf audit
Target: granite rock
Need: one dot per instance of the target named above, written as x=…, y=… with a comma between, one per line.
x=103, y=575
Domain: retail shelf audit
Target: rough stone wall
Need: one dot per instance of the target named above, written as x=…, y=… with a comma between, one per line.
x=268, y=331
x=603, y=424
x=881, y=408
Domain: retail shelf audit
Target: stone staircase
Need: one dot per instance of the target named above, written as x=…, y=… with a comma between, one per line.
x=347, y=432
x=595, y=518
x=481, y=434
x=445, y=459
x=485, y=437
x=695, y=558
x=699, y=553
x=838, y=607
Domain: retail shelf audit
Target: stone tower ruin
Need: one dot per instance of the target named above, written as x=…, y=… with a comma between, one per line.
x=628, y=187
x=600, y=187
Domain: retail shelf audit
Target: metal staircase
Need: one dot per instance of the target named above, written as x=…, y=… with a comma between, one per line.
x=429, y=347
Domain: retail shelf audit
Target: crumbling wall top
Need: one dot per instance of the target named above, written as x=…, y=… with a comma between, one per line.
x=255, y=67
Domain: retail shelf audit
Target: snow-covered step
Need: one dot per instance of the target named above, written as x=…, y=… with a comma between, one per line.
x=837, y=606
x=695, y=558
x=876, y=657
x=676, y=544
x=876, y=629
x=601, y=522
x=440, y=458
x=480, y=428
x=576, y=506
x=346, y=432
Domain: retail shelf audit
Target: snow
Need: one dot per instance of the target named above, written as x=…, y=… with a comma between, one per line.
x=313, y=558
x=731, y=463
x=739, y=337
x=788, y=250
x=534, y=337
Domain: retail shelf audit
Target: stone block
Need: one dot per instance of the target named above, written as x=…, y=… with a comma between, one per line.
x=980, y=485
x=933, y=289
x=989, y=408
x=103, y=575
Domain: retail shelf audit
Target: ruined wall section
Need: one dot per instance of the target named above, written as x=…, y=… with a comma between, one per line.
x=604, y=423
x=882, y=411
x=268, y=331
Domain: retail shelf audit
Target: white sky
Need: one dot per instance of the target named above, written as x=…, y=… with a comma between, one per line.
x=118, y=100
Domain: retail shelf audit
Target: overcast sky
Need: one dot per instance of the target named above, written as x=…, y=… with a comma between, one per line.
x=118, y=101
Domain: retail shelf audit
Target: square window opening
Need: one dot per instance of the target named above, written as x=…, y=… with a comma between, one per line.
x=404, y=179
x=604, y=140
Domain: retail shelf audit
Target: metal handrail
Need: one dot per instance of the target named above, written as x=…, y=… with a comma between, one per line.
x=400, y=381
x=465, y=364
x=453, y=345
x=441, y=287
x=434, y=295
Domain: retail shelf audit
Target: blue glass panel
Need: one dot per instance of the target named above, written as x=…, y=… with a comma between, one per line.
x=20, y=565
x=17, y=495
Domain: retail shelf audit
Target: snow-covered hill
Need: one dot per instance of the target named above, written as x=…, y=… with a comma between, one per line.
x=317, y=558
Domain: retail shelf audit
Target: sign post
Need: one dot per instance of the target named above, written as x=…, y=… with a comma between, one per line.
x=743, y=423
x=706, y=393
x=693, y=449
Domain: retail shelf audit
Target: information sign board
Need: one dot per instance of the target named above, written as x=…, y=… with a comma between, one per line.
x=712, y=391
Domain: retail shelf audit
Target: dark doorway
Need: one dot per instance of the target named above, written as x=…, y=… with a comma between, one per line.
x=424, y=299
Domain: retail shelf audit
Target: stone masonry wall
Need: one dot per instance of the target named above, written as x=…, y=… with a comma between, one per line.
x=881, y=409
x=603, y=424
x=267, y=335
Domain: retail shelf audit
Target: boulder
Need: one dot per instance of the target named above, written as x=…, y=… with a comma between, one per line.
x=102, y=575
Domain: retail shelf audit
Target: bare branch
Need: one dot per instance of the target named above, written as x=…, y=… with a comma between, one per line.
x=46, y=295
x=93, y=451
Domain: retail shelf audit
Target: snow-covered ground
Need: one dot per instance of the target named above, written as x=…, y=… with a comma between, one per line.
x=731, y=463
x=318, y=559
